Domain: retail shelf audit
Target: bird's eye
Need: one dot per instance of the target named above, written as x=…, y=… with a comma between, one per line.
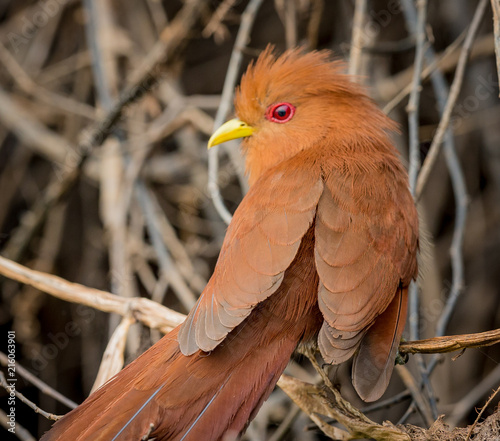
x=280, y=113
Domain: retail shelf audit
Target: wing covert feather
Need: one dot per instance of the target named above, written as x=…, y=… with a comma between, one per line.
x=363, y=251
x=337, y=347
x=261, y=243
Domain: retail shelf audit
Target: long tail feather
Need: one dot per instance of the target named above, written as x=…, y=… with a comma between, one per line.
x=202, y=396
x=373, y=365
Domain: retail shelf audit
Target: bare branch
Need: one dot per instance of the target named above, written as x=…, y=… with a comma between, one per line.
x=357, y=37
x=495, y=6
x=247, y=20
x=450, y=343
x=9, y=388
x=454, y=91
x=146, y=311
x=44, y=387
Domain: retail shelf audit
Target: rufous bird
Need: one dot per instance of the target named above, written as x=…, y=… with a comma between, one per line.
x=323, y=246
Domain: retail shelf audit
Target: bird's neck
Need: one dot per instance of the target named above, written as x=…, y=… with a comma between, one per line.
x=358, y=160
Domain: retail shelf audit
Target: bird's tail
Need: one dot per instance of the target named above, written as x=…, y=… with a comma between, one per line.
x=168, y=396
x=374, y=362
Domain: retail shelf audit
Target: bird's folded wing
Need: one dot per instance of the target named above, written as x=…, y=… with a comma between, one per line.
x=364, y=249
x=261, y=242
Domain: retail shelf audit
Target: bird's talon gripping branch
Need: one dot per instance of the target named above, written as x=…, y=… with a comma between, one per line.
x=402, y=359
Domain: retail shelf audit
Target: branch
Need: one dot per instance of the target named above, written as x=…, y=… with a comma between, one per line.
x=35, y=381
x=495, y=5
x=357, y=37
x=450, y=343
x=315, y=401
x=9, y=388
x=414, y=103
x=144, y=310
x=394, y=89
x=140, y=82
x=473, y=426
x=247, y=20
x=454, y=92
x=160, y=317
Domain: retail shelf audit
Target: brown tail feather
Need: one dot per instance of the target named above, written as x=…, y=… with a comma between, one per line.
x=373, y=364
x=203, y=396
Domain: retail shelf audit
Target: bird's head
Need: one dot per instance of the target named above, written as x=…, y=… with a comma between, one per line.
x=300, y=101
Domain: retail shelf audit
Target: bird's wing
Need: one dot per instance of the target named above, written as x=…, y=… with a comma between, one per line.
x=365, y=247
x=261, y=242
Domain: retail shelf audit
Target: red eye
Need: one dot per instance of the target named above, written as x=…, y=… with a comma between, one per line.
x=280, y=113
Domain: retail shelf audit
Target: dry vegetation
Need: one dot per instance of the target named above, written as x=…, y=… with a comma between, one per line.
x=105, y=181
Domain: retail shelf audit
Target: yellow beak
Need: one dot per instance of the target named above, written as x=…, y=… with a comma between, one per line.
x=233, y=129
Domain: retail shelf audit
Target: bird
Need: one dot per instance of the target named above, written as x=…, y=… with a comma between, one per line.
x=321, y=250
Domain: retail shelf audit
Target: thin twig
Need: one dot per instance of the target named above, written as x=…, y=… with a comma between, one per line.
x=172, y=39
x=436, y=65
x=490, y=399
x=44, y=387
x=31, y=132
x=113, y=357
x=357, y=37
x=316, y=13
x=495, y=5
x=461, y=202
x=382, y=404
x=396, y=88
x=460, y=192
x=409, y=412
x=416, y=22
x=414, y=103
x=247, y=20
x=285, y=425
x=287, y=11
x=98, y=28
x=11, y=388
x=454, y=92
x=25, y=82
x=168, y=267
x=417, y=395
x=217, y=18
x=460, y=409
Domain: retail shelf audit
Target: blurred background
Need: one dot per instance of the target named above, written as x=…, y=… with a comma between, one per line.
x=130, y=211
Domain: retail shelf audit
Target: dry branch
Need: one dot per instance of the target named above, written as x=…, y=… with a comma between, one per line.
x=140, y=83
x=9, y=387
x=396, y=88
x=357, y=37
x=316, y=401
x=454, y=92
x=247, y=21
x=43, y=387
x=495, y=5
x=450, y=343
x=144, y=310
